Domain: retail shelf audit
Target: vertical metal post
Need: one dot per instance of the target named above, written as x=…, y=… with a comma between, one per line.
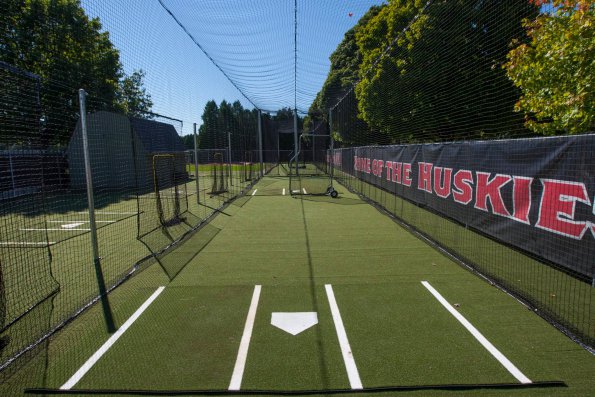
x=296, y=151
x=107, y=313
x=196, y=165
x=11, y=171
x=229, y=157
x=330, y=132
x=260, y=142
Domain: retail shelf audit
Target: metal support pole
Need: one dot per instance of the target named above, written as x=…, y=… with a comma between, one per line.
x=295, y=141
x=229, y=157
x=260, y=143
x=107, y=313
x=330, y=132
x=196, y=165
x=11, y=171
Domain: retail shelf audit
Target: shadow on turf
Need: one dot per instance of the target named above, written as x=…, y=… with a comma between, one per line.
x=337, y=201
x=379, y=389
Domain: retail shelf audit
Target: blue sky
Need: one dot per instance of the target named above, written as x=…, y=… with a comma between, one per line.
x=251, y=40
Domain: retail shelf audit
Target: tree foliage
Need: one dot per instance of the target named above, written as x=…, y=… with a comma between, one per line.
x=556, y=69
x=228, y=118
x=132, y=97
x=57, y=41
x=441, y=77
x=343, y=74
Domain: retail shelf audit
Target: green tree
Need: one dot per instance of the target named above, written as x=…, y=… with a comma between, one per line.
x=209, y=130
x=440, y=77
x=556, y=69
x=57, y=41
x=343, y=74
x=132, y=97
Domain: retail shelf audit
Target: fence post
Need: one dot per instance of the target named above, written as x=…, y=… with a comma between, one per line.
x=107, y=313
x=11, y=172
x=196, y=165
x=296, y=150
x=260, y=143
x=229, y=158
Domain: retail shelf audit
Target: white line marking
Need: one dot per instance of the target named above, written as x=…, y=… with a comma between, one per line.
x=254, y=192
x=109, y=213
x=304, y=189
x=81, y=221
x=238, y=370
x=284, y=191
x=71, y=225
x=27, y=242
x=480, y=338
x=103, y=349
x=54, y=229
x=352, y=373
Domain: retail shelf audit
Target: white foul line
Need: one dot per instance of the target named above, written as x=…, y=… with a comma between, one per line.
x=304, y=189
x=238, y=370
x=103, y=349
x=109, y=213
x=55, y=229
x=480, y=338
x=27, y=242
x=284, y=191
x=81, y=221
x=352, y=373
x=254, y=192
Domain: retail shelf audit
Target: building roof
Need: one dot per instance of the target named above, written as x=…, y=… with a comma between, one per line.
x=156, y=136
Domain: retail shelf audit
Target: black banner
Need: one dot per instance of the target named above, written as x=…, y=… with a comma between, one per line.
x=535, y=194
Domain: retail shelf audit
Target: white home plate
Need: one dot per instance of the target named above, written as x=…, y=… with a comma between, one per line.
x=71, y=225
x=294, y=323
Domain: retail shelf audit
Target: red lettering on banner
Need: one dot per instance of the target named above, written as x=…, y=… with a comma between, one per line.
x=462, y=191
x=487, y=189
x=397, y=172
x=367, y=166
x=442, y=187
x=424, y=180
x=377, y=166
x=558, y=205
x=521, y=198
x=389, y=168
x=407, y=174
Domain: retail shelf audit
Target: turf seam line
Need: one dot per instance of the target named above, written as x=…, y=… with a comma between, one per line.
x=74, y=379
x=352, y=373
x=238, y=370
x=514, y=371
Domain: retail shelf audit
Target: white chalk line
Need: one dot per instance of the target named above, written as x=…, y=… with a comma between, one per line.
x=81, y=221
x=109, y=343
x=27, y=242
x=350, y=367
x=254, y=192
x=514, y=371
x=55, y=229
x=238, y=370
x=109, y=213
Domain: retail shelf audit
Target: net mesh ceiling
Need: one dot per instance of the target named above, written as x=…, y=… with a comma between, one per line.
x=275, y=52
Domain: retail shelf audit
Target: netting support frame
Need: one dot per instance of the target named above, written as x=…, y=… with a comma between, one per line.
x=261, y=172
x=196, y=165
x=107, y=312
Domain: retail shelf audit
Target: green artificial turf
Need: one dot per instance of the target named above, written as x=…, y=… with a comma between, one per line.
x=399, y=333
